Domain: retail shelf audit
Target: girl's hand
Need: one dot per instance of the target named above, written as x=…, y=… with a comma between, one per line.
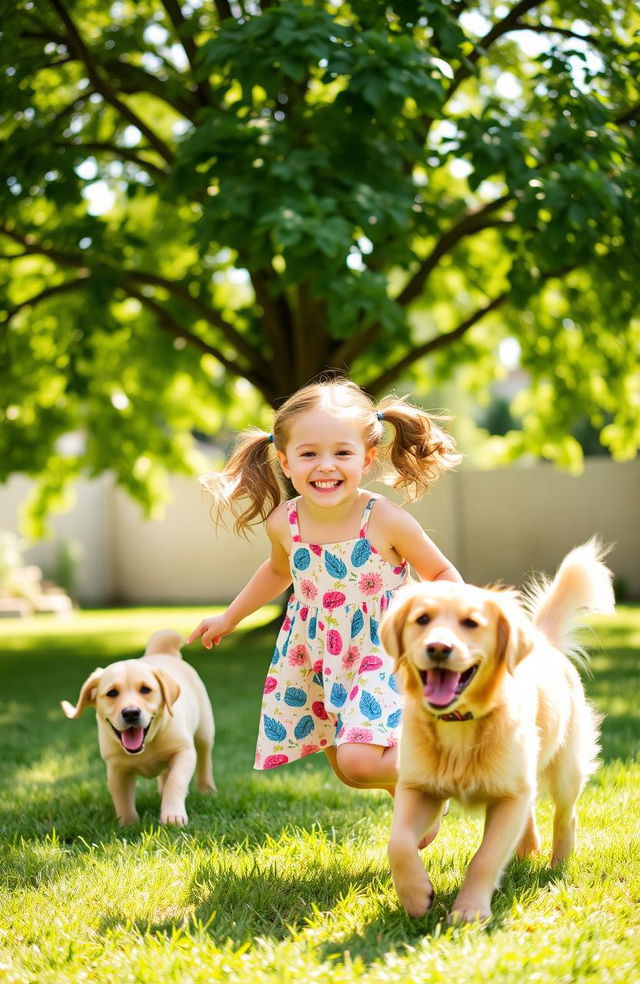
x=211, y=630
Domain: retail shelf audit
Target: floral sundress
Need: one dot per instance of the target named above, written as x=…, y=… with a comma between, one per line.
x=330, y=681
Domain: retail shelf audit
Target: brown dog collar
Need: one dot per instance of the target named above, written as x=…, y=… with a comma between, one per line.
x=455, y=716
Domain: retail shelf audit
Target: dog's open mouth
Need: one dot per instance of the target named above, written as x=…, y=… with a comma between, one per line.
x=131, y=739
x=441, y=687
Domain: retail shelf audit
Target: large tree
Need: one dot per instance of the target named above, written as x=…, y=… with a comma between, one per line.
x=199, y=196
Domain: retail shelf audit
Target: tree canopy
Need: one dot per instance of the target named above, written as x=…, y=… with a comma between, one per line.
x=204, y=205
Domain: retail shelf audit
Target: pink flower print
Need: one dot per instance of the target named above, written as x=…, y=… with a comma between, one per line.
x=297, y=655
x=316, y=549
x=399, y=570
x=270, y=684
x=308, y=589
x=333, y=599
x=273, y=761
x=296, y=538
x=334, y=642
x=370, y=663
x=370, y=583
x=293, y=516
x=350, y=657
x=309, y=749
x=286, y=625
x=319, y=710
x=317, y=666
x=361, y=735
x=354, y=692
x=321, y=626
x=304, y=613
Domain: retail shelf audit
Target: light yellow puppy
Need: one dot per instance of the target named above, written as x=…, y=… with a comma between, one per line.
x=494, y=711
x=154, y=719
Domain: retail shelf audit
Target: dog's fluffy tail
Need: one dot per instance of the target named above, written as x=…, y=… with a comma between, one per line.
x=582, y=586
x=165, y=641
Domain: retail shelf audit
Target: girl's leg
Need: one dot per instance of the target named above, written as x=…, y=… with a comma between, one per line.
x=343, y=766
x=371, y=767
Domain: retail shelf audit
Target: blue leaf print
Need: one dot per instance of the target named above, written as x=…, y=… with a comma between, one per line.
x=273, y=729
x=312, y=627
x=373, y=630
x=338, y=695
x=285, y=646
x=394, y=719
x=361, y=552
x=393, y=683
x=336, y=567
x=276, y=657
x=317, y=678
x=369, y=706
x=357, y=623
x=304, y=726
x=295, y=697
x=301, y=559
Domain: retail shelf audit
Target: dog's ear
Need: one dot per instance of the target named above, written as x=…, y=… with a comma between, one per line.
x=392, y=624
x=513, y=633
x=87, y=697
x=169, y=689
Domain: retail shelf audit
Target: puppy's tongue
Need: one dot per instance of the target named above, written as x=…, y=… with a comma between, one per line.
x=132, y=739
x=441, y=686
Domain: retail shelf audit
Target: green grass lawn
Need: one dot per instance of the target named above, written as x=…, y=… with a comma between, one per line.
x=282, y=876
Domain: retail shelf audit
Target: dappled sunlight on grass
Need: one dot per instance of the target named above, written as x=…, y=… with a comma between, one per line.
x=283, y=875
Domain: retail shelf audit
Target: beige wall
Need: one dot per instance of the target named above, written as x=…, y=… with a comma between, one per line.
x=494, y=525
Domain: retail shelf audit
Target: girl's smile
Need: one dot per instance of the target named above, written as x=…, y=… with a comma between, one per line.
x=325, y=456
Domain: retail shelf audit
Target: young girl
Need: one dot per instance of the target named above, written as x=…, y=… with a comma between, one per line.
x=330, y=686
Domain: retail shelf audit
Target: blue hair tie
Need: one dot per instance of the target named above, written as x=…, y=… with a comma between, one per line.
x=270, y=439
x=380, y=415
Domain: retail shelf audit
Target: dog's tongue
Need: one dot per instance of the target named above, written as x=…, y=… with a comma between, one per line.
x=132, y=739
x=441, y=686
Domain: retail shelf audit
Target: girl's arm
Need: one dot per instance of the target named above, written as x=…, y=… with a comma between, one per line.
x=270, y=580
x=410, y=541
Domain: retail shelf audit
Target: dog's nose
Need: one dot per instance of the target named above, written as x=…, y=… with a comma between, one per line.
x=130, y=714
x=439, y=651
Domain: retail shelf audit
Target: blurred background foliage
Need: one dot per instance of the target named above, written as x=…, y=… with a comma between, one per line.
x=204, y=205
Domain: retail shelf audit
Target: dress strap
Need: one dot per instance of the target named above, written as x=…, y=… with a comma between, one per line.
x=364, y=522
x=292, y=514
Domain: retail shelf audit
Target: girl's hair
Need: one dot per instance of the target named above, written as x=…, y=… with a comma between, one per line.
x=251, y=484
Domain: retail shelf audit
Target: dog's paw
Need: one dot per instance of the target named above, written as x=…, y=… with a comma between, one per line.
x=469, y=911
x=174, y=819
x=207, y=787
x=128, y=819
x=411, y=881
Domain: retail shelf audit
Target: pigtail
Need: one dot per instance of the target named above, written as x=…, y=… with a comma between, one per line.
x=420, y=451
x=248, y=485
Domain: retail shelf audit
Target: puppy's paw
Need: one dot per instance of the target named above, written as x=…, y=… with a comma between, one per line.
x=127, y=819
x=411, y=881
x=207, y=787
x=177, y=819
x=470, y=911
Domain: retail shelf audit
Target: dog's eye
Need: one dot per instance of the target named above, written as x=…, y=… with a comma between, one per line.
x=112, y=693
x=423, y=619
x=144, y=689
x=469, y=623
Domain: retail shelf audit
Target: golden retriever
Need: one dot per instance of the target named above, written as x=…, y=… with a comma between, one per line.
x=154, y=719
x=494, y=711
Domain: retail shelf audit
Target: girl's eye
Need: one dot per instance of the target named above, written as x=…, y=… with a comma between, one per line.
x=144, y=689
x=469, y=623
x=112, y=693
x=423, y=619
x=344, y=453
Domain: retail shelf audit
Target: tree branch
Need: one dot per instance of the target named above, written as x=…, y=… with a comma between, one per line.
x=179, y=23
x=48, y=292
x=385, y=378
x=469, y=224
x=122, y=153
x=81, y=51
x=177, y=330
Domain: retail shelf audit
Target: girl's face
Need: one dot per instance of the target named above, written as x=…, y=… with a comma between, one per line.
x=325, y=456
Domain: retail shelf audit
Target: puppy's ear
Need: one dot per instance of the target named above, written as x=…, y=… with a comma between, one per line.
x=87, y=696
x=392, y=624
x=169, y=689
x=513, y=633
